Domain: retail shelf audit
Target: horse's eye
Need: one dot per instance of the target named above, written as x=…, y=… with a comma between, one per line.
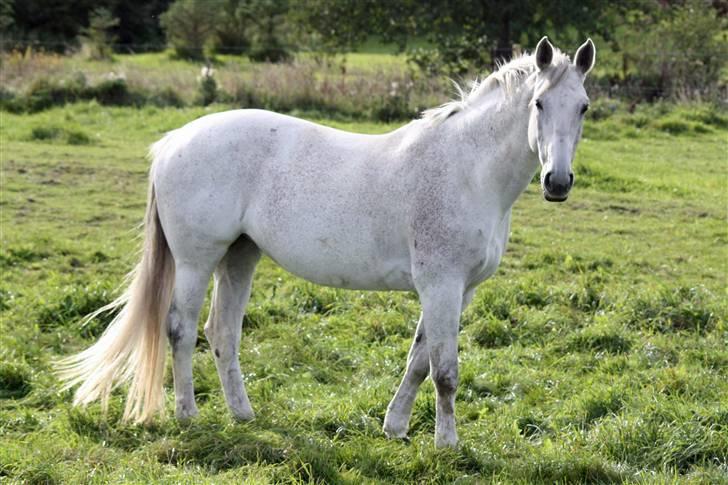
x=539, y=106
x=584, y=108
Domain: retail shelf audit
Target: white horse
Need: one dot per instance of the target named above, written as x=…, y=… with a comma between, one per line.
x=424, y=208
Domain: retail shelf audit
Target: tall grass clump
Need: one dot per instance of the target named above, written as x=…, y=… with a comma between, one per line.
x=690, y=309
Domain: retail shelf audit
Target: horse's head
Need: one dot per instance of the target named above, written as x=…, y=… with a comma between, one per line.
x=557, y=114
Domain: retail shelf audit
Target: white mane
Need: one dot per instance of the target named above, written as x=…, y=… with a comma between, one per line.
x=509, y=76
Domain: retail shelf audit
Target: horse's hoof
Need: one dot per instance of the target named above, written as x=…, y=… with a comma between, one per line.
x=242, y=417
x=446, y=441
x=185, y=414
x=395, y=432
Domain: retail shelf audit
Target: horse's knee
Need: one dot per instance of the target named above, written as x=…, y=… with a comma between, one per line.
x=446, y=379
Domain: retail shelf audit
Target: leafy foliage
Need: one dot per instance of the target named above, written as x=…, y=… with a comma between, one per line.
x=190, y=26
x=691, y=52
x=97, y=38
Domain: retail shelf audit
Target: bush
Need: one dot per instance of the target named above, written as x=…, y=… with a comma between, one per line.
x=76, y=137
x=685, y=62
x=207, y=90
x=268, y=26
x=46, y=93
x=166, y=97
x=42, y=133
x=231, y=36
x=96, y=38
x=395, y=106
x=189, y=26
x=113, y=91
x=269, y=52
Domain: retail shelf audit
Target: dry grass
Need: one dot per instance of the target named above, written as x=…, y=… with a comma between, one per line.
x=383, y=90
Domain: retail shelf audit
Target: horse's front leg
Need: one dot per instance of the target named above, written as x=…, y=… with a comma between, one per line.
x=441, y=306
x=399, y=411
x=396, y=422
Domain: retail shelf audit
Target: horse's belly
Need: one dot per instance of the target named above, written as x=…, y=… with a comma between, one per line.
x=355, y=275
x=352, y=257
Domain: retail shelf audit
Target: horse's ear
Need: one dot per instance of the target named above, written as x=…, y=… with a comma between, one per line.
x=585, y=56
x=544, y=53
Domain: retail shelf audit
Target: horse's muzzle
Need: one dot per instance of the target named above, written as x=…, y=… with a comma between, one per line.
x=556, y=189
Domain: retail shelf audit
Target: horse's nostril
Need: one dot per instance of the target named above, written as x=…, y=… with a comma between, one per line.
x=547, y=180
x=571, y=180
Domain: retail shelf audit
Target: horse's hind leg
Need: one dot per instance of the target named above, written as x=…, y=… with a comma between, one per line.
x=233, y=280
x=189, y=292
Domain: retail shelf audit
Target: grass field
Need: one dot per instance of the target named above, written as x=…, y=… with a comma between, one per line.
x=598, y=352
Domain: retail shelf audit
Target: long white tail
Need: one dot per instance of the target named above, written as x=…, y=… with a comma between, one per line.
x=133, y=348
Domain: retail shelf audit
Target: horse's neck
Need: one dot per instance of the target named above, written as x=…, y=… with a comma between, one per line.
x=496, y=137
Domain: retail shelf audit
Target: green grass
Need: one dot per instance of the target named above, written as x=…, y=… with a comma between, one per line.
x=598, y=352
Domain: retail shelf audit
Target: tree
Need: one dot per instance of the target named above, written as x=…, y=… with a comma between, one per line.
x=685, y=54
x=231, y=33
x=97, y=37
x=189, y=26
x=461, y=34
x=267, y=20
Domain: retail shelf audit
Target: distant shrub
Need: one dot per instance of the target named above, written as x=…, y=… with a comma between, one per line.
x=673, y=126
x=231, y=31
x=269, y=52
x=43, y=133
x=97, y=39
x=267, y=29
x=207, y=86
x=189, y=26
x=687, y=63
x=46, y=93
x=77, y=137
x=166, y=96
x=602, y=108
x=54, y=133
x=113, y=91
x=707, y=114
x=394, y=106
